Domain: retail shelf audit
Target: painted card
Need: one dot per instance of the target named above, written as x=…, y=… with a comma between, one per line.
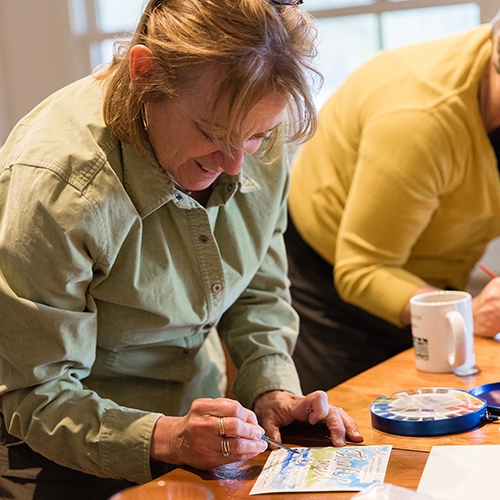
x=351, y=468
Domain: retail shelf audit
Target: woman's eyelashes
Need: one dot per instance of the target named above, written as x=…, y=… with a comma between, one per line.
x=212, y=139
x=206, y=136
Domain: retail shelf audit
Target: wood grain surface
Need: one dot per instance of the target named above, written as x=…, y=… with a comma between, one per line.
x=409, y=454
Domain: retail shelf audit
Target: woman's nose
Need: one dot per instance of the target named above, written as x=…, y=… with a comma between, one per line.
x=232, y=163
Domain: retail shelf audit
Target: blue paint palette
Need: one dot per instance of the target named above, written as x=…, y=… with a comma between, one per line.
x=430, y=411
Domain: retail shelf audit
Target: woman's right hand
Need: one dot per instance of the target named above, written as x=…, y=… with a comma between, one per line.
x=486, y=310
x=196, y=439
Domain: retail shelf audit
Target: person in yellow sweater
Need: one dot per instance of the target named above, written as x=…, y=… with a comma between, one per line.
x=397, y=193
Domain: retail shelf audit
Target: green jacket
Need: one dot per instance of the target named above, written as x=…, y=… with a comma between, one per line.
x=112, y=282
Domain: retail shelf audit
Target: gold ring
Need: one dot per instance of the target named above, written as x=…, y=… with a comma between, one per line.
x=222, y=430
x=225, y=446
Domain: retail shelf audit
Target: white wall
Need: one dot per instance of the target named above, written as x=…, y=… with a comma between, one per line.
x=36, y=55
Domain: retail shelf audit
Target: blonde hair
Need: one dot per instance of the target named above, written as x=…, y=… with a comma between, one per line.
x=257, y=48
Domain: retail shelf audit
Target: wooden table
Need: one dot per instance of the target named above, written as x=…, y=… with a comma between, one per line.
x=409, y=454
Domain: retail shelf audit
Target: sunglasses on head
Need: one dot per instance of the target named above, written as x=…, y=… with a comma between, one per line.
x=274, y=2
x=285, y=2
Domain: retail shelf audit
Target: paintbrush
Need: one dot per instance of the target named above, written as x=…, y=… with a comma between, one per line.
x=279, y=445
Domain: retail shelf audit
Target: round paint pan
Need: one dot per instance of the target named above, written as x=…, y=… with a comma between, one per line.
x=429, y=411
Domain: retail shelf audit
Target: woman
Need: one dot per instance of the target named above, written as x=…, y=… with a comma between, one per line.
x=397, y=194
x=140, y=210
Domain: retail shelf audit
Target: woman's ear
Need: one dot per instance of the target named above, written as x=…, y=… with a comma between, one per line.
x=141, y=63
x=496, y=52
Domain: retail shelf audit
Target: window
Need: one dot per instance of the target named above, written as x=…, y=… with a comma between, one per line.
x=350, y=36
x=98, y=24
x=351, y=31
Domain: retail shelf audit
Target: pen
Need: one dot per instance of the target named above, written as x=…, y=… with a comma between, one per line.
x=279, y=445
x=491, y=274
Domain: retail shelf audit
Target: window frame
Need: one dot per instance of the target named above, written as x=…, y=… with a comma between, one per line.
x=87, y=32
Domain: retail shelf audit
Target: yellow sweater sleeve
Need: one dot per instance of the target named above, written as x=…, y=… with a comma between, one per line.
x=393, y=196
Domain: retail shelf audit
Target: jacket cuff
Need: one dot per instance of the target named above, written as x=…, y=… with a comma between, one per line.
x=269, y=373
x=124, y=444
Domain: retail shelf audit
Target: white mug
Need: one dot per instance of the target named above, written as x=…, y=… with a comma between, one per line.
x=443, y=332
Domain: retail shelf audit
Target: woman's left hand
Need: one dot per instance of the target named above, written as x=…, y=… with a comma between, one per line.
x=276, y=409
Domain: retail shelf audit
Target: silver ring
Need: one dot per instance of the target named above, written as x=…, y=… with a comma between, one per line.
x=222, y=430
x=224, y=443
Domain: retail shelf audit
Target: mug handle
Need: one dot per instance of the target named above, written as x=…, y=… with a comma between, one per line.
x=457, y=323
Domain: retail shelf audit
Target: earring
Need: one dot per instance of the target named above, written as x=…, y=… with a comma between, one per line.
x=144, y=117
